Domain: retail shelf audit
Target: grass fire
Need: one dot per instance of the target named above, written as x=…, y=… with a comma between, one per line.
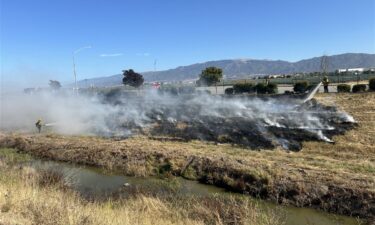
x=240, y=143
x=253, y=122
x=187, y=112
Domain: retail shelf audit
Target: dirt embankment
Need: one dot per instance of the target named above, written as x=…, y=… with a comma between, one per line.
x=336, y=178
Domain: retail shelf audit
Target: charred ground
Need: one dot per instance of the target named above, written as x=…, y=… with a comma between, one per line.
x=255, y=133
x=252, y=122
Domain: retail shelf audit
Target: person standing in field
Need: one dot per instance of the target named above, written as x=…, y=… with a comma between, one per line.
x=38, y=125
x=325, y=84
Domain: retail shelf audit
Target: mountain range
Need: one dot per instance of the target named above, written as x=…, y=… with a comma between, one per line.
x=241, y=68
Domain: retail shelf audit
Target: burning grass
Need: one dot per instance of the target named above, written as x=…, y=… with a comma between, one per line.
x=254, y=123
x=248, y=121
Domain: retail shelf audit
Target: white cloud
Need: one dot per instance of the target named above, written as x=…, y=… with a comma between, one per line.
x=112, y=55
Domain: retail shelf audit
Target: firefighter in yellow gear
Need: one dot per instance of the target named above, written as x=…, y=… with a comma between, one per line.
x=325, y=84
x=39, y=125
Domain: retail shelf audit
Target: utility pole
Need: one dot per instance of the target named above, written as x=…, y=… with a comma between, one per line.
x=223, y=84
x=75, y=74
x=324, y=66
x=74, y=67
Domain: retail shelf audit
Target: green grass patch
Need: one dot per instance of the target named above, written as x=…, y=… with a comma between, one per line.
x=11, y=156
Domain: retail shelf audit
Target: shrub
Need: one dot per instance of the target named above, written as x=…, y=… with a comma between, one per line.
x=371, y=84
x=271, y=88
x=202, y=92
x=243, y=88
x=229, y=91
x=343, y=88
x=301, y=86
x=261, y=88
x=168, y=90
x=113, y=93
x=359, y=88
x=186, y=90
x=310, y=87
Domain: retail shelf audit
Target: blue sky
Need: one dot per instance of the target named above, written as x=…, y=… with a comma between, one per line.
x=39, y=36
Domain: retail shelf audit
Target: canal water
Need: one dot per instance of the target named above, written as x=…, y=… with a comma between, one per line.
x=98, y=183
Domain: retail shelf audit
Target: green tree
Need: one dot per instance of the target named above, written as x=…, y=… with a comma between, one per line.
x=300, y=87
x=132, y=78
x=261, y=88
x=271, y=88
x=54, y=84
x=210, y=76
x=240, y=88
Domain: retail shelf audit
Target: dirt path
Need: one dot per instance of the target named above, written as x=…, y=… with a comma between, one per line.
x=338, y=178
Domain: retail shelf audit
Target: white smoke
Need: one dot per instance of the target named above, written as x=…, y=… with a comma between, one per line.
x=69, y=113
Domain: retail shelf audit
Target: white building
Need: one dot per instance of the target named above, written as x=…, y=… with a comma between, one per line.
x=360, y=70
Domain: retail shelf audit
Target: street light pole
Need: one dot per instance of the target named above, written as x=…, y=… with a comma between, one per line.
x=74, y=67
x=75, y=74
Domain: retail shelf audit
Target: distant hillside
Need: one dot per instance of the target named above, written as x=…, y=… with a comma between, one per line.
x=245, y=68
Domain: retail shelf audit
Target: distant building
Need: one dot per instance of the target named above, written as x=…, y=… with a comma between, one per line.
x=359, y=70
x=276, y=76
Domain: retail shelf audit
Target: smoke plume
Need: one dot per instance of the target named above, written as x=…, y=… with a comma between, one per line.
x=251, y=122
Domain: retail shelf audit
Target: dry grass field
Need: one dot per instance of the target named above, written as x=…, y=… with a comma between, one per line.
x=30, y=197
x=336, y=177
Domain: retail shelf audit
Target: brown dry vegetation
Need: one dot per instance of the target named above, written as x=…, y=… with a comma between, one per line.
x=29, y=196
x=333, y=177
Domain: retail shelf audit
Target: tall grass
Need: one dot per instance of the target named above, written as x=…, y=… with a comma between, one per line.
x=28, y=196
